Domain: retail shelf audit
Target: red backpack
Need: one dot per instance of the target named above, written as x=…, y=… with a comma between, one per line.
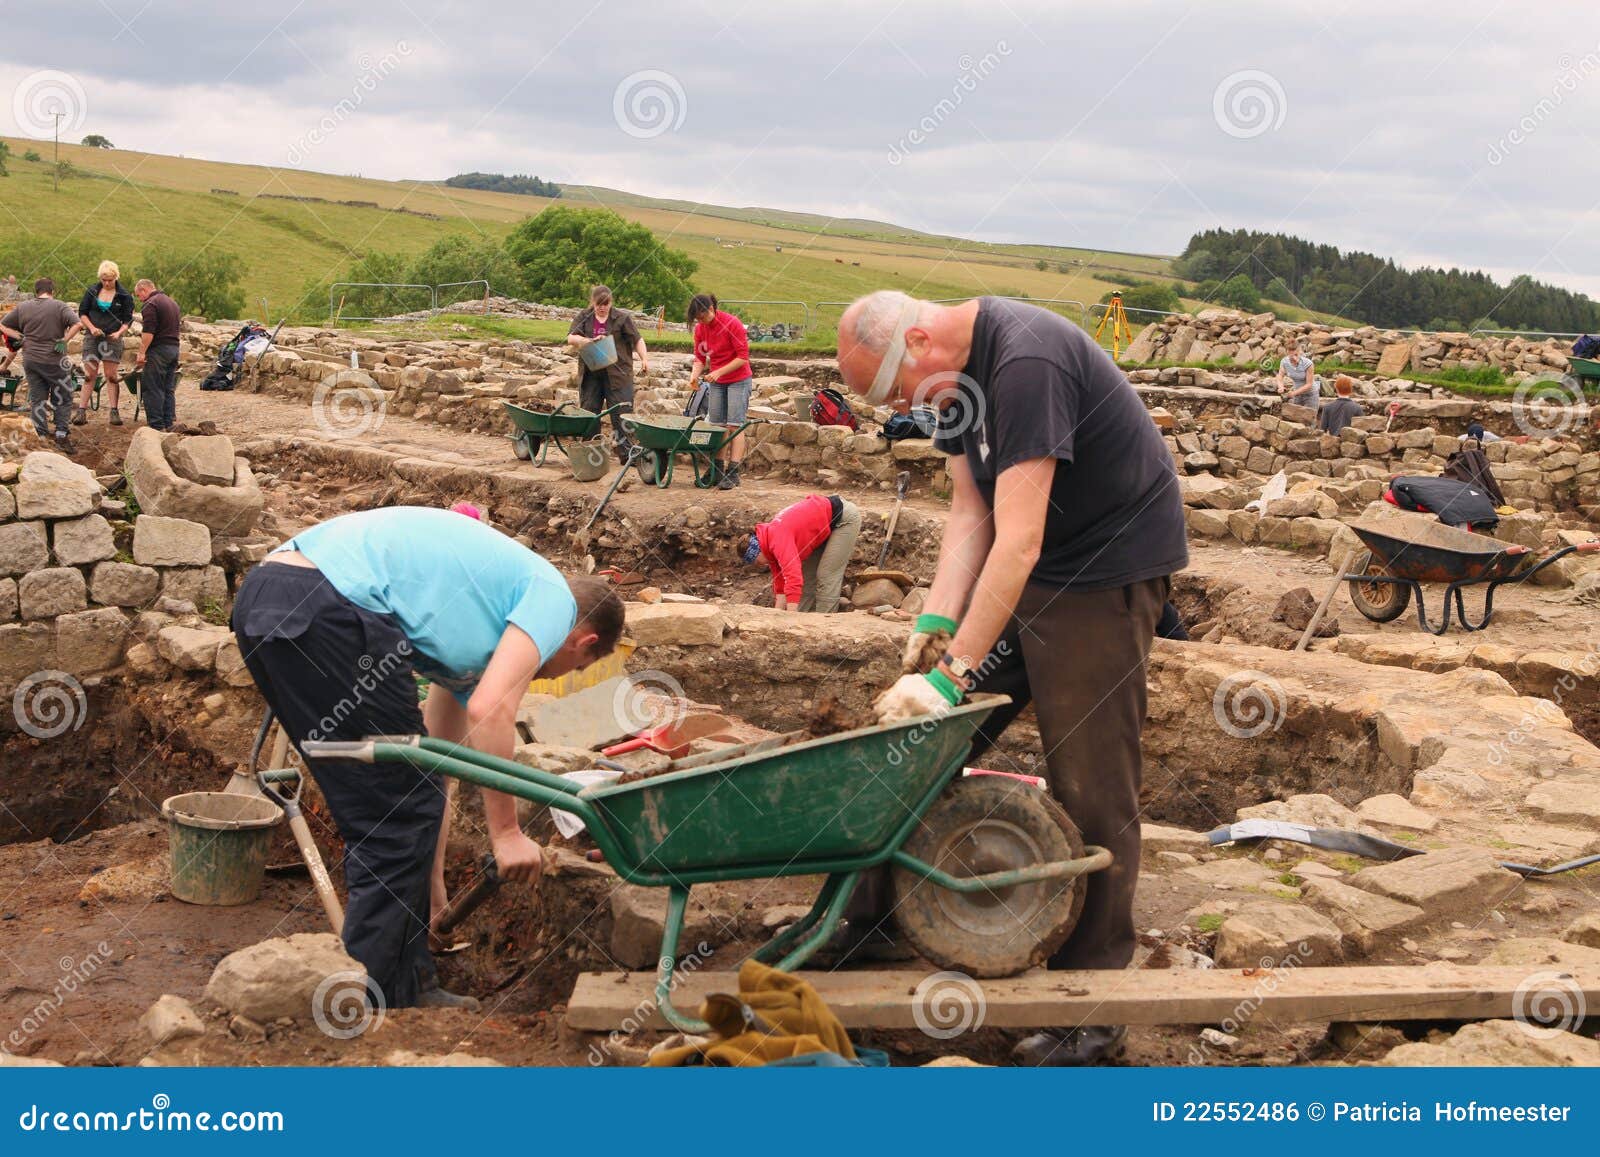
x=828, y=408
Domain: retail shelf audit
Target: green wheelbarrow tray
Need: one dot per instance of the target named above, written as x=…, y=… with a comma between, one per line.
x=536, y=429
x=1583, y=370
x=660, y=438
x=1004, y=862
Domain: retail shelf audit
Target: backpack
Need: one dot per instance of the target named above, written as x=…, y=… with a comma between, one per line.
x=1586, y=346
x=921, y=422
x=828, y=408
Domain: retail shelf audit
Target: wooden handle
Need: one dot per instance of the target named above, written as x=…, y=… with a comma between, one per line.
x=319, y=872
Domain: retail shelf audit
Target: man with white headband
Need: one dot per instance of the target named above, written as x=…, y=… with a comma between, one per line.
x=1066, y=524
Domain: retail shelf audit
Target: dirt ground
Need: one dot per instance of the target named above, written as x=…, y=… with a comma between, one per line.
x=81, y=850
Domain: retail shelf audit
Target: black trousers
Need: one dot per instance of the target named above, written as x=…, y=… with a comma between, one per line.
x=158, y=384
x=597, y=391
x=332, y=670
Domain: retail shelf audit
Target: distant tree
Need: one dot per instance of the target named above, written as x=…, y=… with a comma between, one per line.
x=5, y=151
x=458, y=258
x=207, y=283
x=1198, y=265
x=500, y=183
x=1041, y=265
x=29, y=154
x=1278, y=290
x=564, y=251
x=1150, y=295
x=1207, y=290
x=96, y=141
x=1239, y=292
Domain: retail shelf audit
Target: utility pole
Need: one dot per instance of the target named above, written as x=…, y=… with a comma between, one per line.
x=56, y=174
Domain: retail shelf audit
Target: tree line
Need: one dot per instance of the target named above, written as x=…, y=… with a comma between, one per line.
x=1375, y=290
x=501, y=183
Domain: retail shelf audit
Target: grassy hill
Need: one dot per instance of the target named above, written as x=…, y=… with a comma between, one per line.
x=293, y=227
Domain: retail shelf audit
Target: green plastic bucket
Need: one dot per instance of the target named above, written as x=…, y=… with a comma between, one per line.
x=219, y=845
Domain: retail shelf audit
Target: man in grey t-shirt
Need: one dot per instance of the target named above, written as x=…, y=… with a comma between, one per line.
x=44, y=326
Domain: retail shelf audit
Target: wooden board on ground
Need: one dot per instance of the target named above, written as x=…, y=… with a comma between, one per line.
x=602, y=1001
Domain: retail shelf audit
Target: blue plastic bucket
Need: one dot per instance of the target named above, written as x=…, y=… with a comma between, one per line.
x=600, y=353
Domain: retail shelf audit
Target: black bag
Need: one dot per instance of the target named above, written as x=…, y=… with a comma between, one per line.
x=1471, y=465
x=920, y=422
x=1455, y=503
x=1587, y=346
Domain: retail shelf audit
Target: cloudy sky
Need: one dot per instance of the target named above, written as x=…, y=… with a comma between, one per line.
x=1456, y=134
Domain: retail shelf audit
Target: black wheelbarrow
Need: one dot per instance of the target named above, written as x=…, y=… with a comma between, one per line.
x=1399, y=559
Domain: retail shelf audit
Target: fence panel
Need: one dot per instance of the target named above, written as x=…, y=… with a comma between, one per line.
x=771, y=320
x=451, y=298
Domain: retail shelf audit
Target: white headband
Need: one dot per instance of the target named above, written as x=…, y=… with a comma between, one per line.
x=893, y=356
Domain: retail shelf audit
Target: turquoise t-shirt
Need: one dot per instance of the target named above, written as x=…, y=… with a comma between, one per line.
x=450, y=582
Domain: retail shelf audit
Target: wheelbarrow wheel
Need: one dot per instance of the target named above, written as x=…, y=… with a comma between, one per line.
x=984, y=824
x=652, y=466
x=524, y=446
x=1380, y=602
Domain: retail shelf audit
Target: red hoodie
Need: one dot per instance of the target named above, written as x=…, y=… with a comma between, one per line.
x=789, y=539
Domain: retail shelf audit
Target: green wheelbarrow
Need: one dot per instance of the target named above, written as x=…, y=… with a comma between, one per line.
x=654, y=444
x=535, y=430
x=987, y=872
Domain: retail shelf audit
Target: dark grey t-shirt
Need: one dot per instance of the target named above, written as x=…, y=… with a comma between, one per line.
x=42, y=321
x=1046, y=390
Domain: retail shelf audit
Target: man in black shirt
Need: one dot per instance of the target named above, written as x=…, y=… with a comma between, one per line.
x=1065, y=526
x=158, y=353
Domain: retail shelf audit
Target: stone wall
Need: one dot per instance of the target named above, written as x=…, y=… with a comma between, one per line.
x=81, y=582
x=1215, y=334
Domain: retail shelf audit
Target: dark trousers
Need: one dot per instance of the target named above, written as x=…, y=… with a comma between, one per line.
x=158, y=384
x=597, y=391
x=1079, y=657
x=331, y=670
x=49, y=391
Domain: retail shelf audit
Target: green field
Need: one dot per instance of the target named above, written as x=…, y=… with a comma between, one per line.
x=122, y=203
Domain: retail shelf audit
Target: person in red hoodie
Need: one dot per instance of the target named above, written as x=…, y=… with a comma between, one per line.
x=722, y=360
x=807, y=547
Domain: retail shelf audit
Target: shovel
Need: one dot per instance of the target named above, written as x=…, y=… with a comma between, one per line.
x=273, y=784
x=894, y=515
x=673, y=739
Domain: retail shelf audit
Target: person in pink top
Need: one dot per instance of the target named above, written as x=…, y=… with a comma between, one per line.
x=807, y=546
x=722, y=358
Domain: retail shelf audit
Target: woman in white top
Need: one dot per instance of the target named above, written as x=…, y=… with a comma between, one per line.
x=1297, y=380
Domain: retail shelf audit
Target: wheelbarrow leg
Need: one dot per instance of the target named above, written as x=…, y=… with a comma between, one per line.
x=781, y=943
x=627, y=464
x=677, y=903
x=1422, y=611
x=826, y=925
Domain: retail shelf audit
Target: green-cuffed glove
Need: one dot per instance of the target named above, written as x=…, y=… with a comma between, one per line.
x=930, y=638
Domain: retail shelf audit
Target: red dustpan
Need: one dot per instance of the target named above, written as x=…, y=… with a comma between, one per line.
x=672, y=739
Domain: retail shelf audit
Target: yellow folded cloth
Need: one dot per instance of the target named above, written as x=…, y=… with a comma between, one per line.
x=792, y=1022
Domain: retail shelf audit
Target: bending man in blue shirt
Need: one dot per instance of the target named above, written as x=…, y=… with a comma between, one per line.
x=333, y=625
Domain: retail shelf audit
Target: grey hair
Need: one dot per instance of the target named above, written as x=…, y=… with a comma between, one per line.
x=877, y=314
x=144, y=283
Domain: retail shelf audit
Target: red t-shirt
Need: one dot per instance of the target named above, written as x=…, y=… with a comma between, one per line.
x=790, y=538
x=723, y=339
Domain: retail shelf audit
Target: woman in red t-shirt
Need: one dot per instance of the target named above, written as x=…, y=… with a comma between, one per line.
x=722, y=358
x=806, y=546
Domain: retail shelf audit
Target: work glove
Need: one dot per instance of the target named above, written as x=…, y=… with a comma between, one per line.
x=914, y=695
x=930, y=639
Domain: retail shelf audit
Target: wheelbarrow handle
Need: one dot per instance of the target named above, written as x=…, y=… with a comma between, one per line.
x=358, y=750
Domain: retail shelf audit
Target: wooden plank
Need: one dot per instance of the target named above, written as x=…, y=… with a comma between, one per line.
x=603, y=1001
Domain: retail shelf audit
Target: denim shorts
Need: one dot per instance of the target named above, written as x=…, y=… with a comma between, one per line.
x=730, y=402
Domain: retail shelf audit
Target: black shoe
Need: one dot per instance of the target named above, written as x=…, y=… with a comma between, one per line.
x=730, y=478
x=1093, y=1044
x=80, y=416
x=437, y=997
x=64, y=444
